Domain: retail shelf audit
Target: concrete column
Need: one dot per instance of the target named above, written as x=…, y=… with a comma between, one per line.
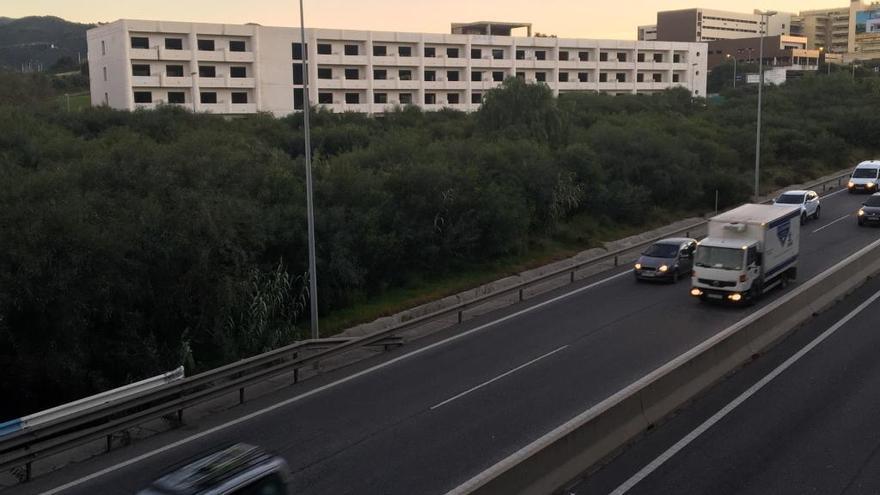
x=194, y=68
x=257, y=75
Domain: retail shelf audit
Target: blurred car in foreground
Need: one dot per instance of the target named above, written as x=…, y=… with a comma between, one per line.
x=239, y=469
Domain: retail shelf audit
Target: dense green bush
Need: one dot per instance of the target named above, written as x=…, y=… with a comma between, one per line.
x=133, y=242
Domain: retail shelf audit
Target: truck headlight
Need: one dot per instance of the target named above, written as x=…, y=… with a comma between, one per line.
x=696, y=292
x=663, y=268
x=735, y=297
x=638, y=266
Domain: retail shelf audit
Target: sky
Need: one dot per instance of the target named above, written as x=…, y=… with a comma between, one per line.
x=564, y=18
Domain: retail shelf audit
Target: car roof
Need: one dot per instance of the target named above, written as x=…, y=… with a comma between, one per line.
x=216, y=468
x=675, y=240
x=869, y=164
x=797, y=191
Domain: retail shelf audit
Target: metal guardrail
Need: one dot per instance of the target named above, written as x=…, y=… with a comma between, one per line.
x=91, y=402
x=24, y=447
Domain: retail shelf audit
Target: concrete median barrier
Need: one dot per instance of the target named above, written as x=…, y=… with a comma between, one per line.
x=561, y=455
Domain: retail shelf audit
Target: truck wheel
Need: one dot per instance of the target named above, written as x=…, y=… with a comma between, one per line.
x=757, y=290
x=783, y=281
x=816, y=215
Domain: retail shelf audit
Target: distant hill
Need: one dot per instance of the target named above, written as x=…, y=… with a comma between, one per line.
x=41, y=42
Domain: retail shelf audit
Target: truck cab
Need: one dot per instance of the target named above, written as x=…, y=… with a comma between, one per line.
x=727, y=269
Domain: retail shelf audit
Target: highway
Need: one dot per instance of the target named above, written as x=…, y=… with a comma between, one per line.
x=802, y=419
x=433, y=414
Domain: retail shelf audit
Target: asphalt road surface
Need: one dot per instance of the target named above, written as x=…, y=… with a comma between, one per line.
x=801, y=419
x=470, y=396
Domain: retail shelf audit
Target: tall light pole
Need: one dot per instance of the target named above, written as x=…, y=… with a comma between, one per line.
x=765, y=16
x=734, y=70
x=310, y=211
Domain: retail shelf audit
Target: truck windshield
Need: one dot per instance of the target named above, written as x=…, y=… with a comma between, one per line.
x=865, y=173
x=790, y=199
x=662, y=251
x=718, y=257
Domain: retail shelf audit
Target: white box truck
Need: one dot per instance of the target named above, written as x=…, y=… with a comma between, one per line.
x=748, y=251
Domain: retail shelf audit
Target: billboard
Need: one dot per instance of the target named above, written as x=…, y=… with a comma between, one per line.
x=868, y=25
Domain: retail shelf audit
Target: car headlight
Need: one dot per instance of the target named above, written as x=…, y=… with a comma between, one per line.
x=861, y=213
x=871, y=184
x=851, y=184
x=663, y=268
x=735, y=297
x=638, y=266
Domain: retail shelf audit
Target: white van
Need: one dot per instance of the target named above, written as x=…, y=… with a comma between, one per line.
x=865, y=178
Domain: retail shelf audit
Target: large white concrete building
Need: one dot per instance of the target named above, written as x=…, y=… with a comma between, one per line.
x=236, y=69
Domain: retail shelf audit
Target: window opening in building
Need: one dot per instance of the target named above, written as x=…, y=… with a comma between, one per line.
x=207, y=71
x=143, y=97
x=140, y=70
x=140, y=42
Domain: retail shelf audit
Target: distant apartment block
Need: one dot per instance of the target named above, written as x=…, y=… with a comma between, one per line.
x=647, y=33
x=826, y=28
x=240, y=69
x=703, y=25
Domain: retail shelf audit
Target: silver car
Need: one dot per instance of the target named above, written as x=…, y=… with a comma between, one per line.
x=238, y=469
x=667, y=259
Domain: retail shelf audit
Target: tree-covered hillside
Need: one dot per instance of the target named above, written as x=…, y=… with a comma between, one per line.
x=41, y=42
x=133, y=242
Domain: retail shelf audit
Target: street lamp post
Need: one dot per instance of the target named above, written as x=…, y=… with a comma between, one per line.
x=765, y=16
x=310, y=212
x=734, y=69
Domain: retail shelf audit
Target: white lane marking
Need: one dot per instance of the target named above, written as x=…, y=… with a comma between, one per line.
x=832, y=223
x=291, y=400
x=690, y=437
x=533, y=361
x=832, y=194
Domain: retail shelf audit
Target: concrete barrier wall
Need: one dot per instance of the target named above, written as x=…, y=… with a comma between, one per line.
x=561, y=455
